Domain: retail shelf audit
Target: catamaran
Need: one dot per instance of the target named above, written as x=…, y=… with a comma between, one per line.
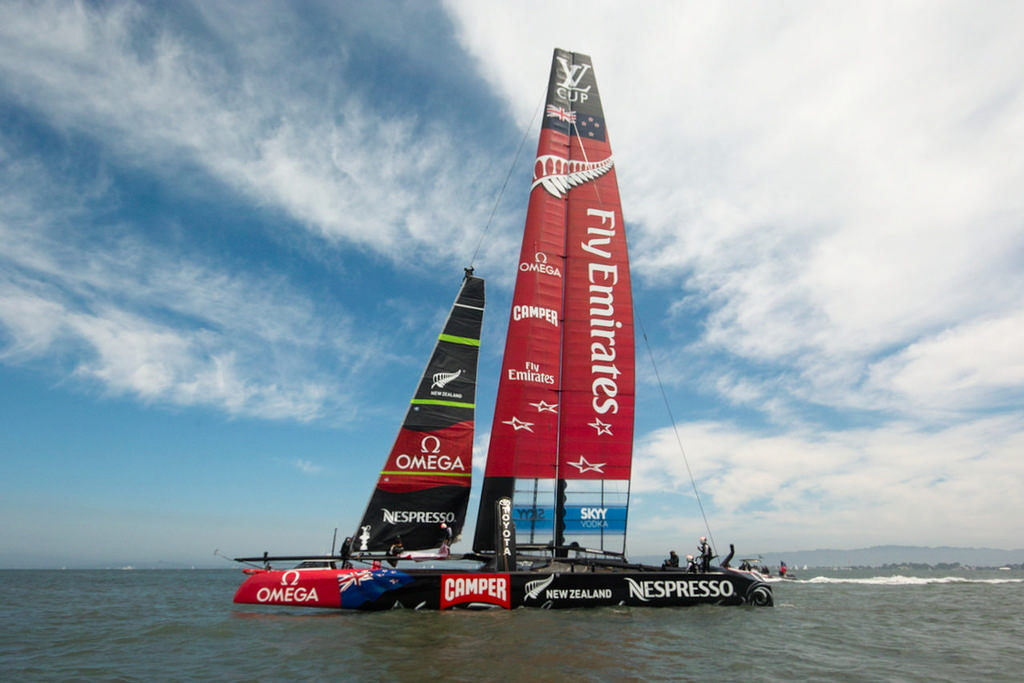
x=551, y=525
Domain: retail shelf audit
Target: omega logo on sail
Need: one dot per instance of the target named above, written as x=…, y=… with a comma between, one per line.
x=429, y=458
x=445, y=463
x=602, y=278
x=540, y=265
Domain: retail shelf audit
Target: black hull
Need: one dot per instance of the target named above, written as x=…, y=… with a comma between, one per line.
x=435, y=589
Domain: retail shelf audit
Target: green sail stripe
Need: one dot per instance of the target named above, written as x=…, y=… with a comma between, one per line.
x=429, y=474
x=432, y=402
x=468, y=341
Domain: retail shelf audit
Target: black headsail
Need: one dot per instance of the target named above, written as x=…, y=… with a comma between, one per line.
x=426, y=480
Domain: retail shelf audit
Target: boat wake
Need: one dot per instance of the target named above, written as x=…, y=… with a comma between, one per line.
x=900, y=580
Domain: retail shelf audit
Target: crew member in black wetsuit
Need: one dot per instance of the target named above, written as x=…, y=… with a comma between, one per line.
x=395, y=550
x=346, y=548
x=672, y=561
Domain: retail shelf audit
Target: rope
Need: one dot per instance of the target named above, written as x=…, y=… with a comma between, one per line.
x=504, y=185
x=675, y=430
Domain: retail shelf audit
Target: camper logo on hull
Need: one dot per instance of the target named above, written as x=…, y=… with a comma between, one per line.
x=487, y=589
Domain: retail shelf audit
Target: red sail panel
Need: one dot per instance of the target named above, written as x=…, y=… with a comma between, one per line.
x=524, y=434
x=598, y=355
x=424, y=460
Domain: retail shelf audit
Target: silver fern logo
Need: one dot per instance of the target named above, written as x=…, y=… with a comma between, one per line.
x=442, y=379
x=534, y=588
x=558, y=175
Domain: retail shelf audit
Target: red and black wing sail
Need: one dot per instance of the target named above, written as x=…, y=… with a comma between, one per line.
x=564, y=408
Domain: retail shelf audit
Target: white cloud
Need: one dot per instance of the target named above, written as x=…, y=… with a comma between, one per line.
x=954, y=485
x=973, y=366
x=156, y=323
x=242, y=105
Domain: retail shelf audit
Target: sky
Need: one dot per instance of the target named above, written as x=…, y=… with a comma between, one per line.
x=230, y=232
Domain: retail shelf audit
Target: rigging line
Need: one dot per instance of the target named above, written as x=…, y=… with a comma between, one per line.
x=586, y=159
x=675, y=429
x=508, y=176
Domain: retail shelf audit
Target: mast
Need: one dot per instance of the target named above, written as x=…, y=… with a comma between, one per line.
x=426, y=479
x=563, y=423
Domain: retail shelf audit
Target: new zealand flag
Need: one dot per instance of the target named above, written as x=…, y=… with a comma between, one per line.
x=367, y=585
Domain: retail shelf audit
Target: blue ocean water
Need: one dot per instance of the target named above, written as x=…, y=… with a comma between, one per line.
x=177, y=625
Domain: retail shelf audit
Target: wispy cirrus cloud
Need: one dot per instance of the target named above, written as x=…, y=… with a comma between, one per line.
x=238, y=101
x=207, y=105
x=156, y=322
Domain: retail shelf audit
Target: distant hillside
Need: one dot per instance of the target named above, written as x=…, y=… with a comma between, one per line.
x=878, y=556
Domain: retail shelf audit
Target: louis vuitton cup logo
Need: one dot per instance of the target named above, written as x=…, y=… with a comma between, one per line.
x=572, y=75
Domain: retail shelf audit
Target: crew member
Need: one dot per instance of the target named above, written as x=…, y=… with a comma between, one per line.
x=704, y=550
x=395, y=550
x=346, y=548
x=446, y=539
x=672, y=561
x=728, y=558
